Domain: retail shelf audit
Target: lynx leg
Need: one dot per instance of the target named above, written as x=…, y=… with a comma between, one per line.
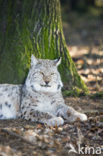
x=70, y=114
x=42, y=117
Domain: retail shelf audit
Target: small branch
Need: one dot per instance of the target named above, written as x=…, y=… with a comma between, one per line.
x=16, y=135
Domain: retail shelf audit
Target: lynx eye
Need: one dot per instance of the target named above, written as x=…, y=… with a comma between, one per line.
x=52, y=73
x=42, y=73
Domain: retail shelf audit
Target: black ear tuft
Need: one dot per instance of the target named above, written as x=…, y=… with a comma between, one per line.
x=57, y=61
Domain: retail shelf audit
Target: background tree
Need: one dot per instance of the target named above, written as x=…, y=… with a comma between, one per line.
x=78, y=5
x=28, y=27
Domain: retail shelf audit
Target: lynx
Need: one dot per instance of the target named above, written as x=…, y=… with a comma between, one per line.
x=40, y=98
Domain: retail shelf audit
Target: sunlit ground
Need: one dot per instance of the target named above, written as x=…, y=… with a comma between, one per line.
x=84, y=37
x=90, y=67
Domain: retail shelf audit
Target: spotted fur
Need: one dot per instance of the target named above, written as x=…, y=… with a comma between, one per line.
x=40, y=98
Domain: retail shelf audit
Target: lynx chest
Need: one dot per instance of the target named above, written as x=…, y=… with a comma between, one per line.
x=44, y=102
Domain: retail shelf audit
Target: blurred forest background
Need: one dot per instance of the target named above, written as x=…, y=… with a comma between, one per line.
x=83, y=30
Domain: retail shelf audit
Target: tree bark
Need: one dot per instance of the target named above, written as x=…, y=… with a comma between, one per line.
x=33, y=27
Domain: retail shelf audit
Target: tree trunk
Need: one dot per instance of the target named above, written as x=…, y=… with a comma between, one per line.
x=33, y=27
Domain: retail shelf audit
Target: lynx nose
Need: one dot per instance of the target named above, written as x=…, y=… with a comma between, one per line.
x=47, y=82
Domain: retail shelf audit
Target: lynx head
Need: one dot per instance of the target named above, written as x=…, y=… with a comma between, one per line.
x=44, y=76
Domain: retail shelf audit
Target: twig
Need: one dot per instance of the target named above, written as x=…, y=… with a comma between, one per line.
x=16, y=135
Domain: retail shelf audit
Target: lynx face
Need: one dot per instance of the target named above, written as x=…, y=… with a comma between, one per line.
x=44, y=76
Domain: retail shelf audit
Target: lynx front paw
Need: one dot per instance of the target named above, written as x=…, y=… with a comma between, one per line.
x=82, y=117
x=55, y=121
x=76, y=116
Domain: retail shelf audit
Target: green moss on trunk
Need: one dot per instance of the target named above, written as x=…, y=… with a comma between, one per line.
x=33, y=27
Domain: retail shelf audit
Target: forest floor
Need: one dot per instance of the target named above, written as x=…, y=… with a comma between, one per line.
x=18, y=137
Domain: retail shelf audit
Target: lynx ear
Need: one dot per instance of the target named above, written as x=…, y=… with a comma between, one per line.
x=34, y=61
x=57, y=61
